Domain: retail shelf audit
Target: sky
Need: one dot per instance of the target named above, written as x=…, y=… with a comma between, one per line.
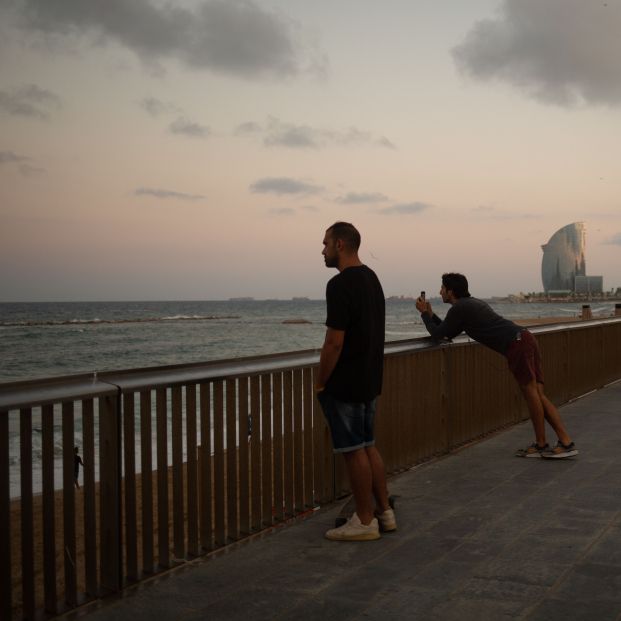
x=198, y=149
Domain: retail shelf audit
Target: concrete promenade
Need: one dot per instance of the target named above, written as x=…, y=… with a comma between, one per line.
x=482, y=536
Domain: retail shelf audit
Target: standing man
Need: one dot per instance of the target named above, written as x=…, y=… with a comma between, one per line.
x=349, y=380
x=481, y=323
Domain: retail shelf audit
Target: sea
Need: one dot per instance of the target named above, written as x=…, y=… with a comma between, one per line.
x=50, y=339
x=47, y=339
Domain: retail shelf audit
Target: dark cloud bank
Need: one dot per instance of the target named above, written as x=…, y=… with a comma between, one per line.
x=237, y=37
x=562, y=52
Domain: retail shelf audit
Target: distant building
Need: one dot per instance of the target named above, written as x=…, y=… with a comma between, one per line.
x=589, y=284
x=563, y=267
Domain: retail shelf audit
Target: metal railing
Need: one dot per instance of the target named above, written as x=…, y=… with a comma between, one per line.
x=180, y=461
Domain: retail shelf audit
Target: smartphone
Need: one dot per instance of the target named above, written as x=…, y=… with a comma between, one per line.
x=422, y=296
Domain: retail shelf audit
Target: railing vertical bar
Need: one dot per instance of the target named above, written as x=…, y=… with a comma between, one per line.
x=307, y=404
x=177, y=475
x=298, y=449
x=206, y=485
x=288, y=442
x=391, y=386
x=232, y=475
x=414, y=405
x=71, y=583
x=267, y=440
x=255, y=453
x=109, y=490
x=163, y=544
x=49, y=512
x=26, y=535
x=5, y=520
x=192, y=477
x=278, y=463
x=244, y=464
x=219, y=465
x=319, y=453
x=146, y=477
x=402, y=388
x=129, y=449
x=90, y=503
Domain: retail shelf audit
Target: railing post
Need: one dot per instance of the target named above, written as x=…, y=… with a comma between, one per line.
x=109, y=490
x=5, y=530
x=445, y=368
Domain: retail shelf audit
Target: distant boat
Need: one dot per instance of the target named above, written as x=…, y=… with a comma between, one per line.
x=300, y=299
x=242, y=299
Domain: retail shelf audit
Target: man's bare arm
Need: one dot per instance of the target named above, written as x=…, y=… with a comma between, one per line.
x=330, y=353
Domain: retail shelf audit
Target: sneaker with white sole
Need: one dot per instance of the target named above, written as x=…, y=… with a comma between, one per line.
x=355, y=530
x=387, y=521
x=560, y=451
x=534, y=450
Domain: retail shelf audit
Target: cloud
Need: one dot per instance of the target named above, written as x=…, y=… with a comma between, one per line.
x=361, y=198
x=250, y=127
x=560, y=52
x=485, y=212
x=384, y=142
x=615, y=240
x=155, y=107
x=8, y=157
x=283, y=185
x=282, y=211
x=30, y=171
x=159, y=193
x=277, y=133
x=30, y=101
x=23, y=163
x=237, y=37
x=188, y=128
x=405, y=209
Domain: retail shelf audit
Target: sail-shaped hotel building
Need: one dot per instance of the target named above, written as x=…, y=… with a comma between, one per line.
x=563, y=267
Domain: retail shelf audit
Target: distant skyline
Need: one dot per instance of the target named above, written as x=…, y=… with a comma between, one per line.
x=197, y=150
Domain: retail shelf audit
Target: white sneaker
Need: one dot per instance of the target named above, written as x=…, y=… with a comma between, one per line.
x=387, y=521
x=355, y=530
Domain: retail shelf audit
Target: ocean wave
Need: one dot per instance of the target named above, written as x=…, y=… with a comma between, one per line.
x=97, y=320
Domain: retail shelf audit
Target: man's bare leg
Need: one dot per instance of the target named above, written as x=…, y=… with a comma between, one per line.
x=361, y=481
x=378, y=472
x=553, y=417
x=541, y=409
x=536, y=410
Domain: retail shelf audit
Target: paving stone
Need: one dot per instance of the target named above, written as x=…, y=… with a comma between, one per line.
x=571, y=610
x=591, y=582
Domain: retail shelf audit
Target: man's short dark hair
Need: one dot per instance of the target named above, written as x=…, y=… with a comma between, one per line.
x=457, y=283
x=347, y=233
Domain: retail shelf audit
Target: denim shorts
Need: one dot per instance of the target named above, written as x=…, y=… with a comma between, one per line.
x=351, y=424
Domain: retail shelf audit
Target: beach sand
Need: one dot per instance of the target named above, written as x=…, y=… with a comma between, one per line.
x=16, y=556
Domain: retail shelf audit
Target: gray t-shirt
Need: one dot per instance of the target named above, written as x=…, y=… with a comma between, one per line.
x=477, y=319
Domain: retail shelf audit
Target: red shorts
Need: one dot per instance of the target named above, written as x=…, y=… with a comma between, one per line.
x=524, y=359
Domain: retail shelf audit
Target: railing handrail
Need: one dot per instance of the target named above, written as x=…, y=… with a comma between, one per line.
x=36, y=392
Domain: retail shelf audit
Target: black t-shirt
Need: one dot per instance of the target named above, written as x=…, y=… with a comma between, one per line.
x=477, y=319
x=355, y=302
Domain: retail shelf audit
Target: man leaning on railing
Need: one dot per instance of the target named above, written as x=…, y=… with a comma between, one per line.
x=479, y=321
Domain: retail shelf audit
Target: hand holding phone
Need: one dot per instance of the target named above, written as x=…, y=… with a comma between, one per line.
x=421, y=304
